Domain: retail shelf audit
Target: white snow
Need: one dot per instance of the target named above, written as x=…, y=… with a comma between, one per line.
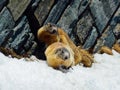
x=37, y=75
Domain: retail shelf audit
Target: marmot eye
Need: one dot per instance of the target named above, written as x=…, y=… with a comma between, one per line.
x=53, y=31
x=62, y=51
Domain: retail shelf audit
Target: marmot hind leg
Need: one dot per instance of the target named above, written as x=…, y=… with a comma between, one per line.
x=87, y=58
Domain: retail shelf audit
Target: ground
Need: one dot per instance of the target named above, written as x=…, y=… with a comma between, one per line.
x=37, y=75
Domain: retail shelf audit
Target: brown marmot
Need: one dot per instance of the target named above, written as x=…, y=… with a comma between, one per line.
x=50, y=34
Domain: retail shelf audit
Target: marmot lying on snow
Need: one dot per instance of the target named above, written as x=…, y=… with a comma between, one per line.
x=50, y=34
x=59, y=55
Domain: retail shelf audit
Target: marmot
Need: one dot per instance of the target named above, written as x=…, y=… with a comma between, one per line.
x=116, y=47
x=59, y=56
x=107, y=50
x=50, y=33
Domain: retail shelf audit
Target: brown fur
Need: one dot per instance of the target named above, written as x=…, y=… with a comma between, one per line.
x=105, y=49
x=54, y=60
x=87, y=58
x=45, y=35
x=116, y=47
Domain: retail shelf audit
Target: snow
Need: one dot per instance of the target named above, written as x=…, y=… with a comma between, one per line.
x=37, y=75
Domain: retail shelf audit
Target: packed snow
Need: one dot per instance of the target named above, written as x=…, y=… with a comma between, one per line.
x=37, y=75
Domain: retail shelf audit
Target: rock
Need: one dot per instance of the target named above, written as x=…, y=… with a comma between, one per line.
x=73, y=38
x=3, y=3
x=4, y=36
x=17, y=7
x=21, y=34
x=43, y=10
x=91, y=39
x=84, y=26
x=6, y=20
x=115, y=24
x=34, y=4
x=102, y=11
x=39, y=52
x=92, y=23
x=22, y=26
x=71, y=15
x=32, y=50
x=20, y=40
x=107, y=39
x=57, y=11
x=29, y=42
x=116, y=31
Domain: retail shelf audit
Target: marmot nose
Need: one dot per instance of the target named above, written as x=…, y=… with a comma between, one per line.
x=63, y=67
x=66, y=57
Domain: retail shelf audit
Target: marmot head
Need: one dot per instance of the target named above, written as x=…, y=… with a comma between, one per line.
x=59, y=56
x=48, y=34
x=63, y=53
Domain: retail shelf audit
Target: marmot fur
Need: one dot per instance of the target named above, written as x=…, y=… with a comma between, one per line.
x=50, y=34
x=59, y=55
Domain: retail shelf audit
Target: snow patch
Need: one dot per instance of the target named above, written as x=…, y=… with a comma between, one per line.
x=37, y=75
